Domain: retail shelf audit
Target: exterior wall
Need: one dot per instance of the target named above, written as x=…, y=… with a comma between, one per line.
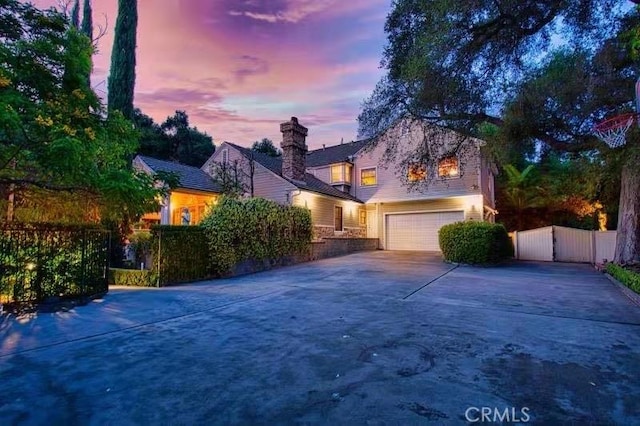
x=390, y=186
x=322, y=173
x=266, y=184
x=322, y=214
x=470, y=205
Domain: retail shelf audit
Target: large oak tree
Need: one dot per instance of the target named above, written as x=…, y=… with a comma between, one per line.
x=530, y=73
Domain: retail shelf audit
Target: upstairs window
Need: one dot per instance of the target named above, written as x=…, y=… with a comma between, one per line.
x=341, y=173
x=448, y=167
x=225, y=156
x=416, y=172
x=368, y=177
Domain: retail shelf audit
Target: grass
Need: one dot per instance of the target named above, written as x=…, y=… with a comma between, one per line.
x=626, y=276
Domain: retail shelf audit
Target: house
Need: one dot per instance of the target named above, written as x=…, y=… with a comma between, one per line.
x=352, y=192
x=195, y=193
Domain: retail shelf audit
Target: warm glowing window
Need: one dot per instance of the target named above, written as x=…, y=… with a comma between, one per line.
x=341, y=173
x=368, y=177
x=416, y=172
x=363, y=217
x=338, y=218
x=448, y=167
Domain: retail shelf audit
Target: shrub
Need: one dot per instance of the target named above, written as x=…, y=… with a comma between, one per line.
x=141, y=245
x=132, y=277
x=629, y=278
x=180, y=254
x=475, y=243
x=255, y=229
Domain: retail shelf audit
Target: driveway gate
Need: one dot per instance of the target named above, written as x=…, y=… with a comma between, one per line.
x=561, y=244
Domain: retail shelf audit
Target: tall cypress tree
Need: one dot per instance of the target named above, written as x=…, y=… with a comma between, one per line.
x=122, y=77
x=75, y=14
x=87, y=20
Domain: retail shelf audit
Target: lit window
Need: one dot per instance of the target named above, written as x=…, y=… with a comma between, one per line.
x=448, y=167
x=338, y=218
x=368, y=177
x=363, y=217
x=336, y=173
x=347, y=172
x=416, y=172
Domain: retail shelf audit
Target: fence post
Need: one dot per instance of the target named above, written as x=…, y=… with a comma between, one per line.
x=593, y=247
x=515, y=245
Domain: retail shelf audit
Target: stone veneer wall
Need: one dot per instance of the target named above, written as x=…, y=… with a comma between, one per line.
x=320, y=232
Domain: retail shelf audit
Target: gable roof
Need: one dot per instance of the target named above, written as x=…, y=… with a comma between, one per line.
x=189, y=177
x=335, y=154
x=311, y=183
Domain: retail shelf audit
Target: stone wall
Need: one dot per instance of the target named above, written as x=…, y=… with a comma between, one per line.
x=320, y=232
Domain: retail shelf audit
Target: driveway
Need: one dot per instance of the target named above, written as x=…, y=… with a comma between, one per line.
x=371, y=338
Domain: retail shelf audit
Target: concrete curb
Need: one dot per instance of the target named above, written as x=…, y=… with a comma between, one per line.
x=632, y=295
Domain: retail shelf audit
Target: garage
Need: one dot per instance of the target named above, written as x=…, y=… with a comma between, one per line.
x=417, y=231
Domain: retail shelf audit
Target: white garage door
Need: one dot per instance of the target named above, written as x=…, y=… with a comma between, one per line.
x=417, y=231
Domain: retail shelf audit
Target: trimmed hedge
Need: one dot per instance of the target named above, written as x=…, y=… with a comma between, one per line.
x=255, y=229
x=475, y=243
x=180, y=254
x=132, y=277
x=629, y=278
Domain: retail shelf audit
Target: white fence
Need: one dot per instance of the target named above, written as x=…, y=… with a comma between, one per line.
x=561, y=244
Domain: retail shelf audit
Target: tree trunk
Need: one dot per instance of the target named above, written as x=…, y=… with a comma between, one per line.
x=628, y=236
x=11, y=203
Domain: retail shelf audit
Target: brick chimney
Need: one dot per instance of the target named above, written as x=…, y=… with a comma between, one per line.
x=294, y=150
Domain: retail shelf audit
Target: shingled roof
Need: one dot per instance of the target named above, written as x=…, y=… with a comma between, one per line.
x=189, y=177
x=311, y=183
x=334, y=154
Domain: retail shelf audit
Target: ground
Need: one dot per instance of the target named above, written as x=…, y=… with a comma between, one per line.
x=371, y=338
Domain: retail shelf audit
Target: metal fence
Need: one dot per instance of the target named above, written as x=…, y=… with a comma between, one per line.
x=50, y=262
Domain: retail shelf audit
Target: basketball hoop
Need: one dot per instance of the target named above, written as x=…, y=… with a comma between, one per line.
x=613, y=130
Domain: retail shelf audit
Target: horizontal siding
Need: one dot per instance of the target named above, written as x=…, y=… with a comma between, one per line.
x=266, y=184
x=322, y=173
x=322, y=209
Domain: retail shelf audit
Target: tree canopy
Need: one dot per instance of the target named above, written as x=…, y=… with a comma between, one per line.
x=266, y=146
x=122, y=74
x=174, y=139
x=54, y=133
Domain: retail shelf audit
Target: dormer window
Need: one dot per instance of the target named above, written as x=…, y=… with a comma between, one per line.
x=341, y=173
x=416, y=172
x=448, y=167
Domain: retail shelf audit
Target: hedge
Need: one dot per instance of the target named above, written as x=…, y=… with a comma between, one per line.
x=255, y=229
x=629, y=278
x=475, y=243
x=180, y=254
x=132, y=277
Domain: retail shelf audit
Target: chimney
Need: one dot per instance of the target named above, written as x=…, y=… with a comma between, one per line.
x=294, y=150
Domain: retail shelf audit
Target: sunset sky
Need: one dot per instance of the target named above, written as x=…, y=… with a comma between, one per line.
x=241, y=67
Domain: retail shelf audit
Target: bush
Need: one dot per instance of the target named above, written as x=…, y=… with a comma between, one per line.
x=255, y=229
x=180, y=254
x=629, y=278
x=132, y=277
x=475, y=243
x=140, y=243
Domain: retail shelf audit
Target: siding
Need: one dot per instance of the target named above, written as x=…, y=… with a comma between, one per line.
x=470, y=205
x=266, y=184
x=390, y=186
x=322, y=209
x=322, y=173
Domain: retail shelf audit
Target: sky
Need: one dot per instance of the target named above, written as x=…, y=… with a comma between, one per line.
x=239, y=68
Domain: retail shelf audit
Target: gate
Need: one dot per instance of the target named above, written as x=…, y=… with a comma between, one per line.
x=562, y=244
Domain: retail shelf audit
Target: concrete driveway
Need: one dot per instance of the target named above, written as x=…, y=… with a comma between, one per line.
x=371, y=338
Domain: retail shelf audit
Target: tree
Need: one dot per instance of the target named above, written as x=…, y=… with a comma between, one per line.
x=534, y=74
x=122, y=76
x=231, y=177
x=87, y=20
x=75, y=14
x=54, y=136
x=266, y=146
x=173, y=140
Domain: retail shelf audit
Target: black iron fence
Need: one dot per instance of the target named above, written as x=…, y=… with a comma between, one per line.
x=51, y=262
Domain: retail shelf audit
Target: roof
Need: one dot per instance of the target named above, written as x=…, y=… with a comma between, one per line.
x=335, y=154
x=312, y=183
x=189, y=177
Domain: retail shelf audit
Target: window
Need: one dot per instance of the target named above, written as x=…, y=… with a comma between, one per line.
x=363, y=217
x=341, y=173
x=225, y=156
x=416, y=172
x=448, y=167
x=368, y=177
x=338, y=218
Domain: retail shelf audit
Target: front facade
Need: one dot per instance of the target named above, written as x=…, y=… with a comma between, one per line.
x=354, y=190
